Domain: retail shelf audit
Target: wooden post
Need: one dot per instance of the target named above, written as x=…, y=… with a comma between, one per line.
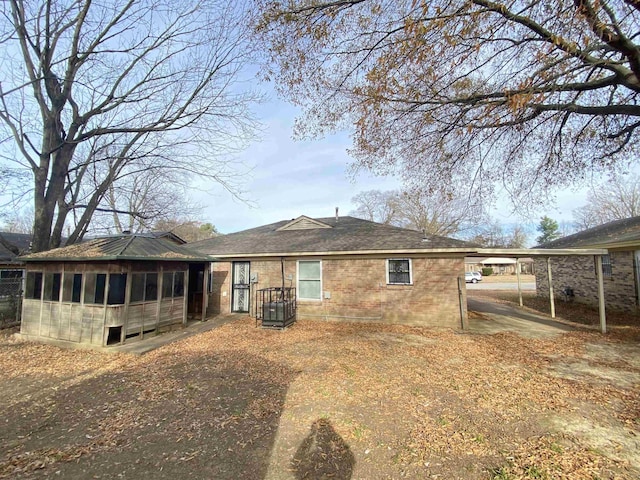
x=550, y=279
x=127, y=301
x=205, y=290
x=185, y=306
x=463, y=317
x=160, y=290
x=603, y=316
x=519, y=285
x=107, y=280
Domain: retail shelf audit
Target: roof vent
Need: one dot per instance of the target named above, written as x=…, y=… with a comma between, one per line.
x=336, y=214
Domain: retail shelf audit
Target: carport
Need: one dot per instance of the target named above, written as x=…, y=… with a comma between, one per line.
x=549, y=254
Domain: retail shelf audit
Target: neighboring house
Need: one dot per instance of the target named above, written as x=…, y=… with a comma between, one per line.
x=342, y=268
x=620, y=266
x=106, y=290
x=500, y=266
x=11, y=267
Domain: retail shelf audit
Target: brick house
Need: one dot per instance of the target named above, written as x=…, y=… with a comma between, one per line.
x=341, y=268
x=620, y=267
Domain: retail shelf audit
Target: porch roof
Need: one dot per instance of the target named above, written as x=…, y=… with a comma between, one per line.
x=123, y=247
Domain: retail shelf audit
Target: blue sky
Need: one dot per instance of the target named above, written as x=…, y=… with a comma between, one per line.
x=293, y=177
x=289, y=177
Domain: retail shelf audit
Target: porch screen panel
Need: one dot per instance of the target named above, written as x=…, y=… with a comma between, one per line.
x=117, y=288
x=137, y=287
x=167, y=285
x=151, y=287
x=72, y=286
x=178, y=285
x=34, y=285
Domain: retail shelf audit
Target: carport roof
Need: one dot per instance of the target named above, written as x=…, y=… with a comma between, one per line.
x=535, y=252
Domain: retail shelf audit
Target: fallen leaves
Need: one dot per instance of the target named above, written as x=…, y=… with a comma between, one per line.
x=406, y=401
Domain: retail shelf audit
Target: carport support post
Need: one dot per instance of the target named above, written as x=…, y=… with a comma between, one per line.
x=551, y=299
x=603, y=316
x=461, y=303
x=519, y=286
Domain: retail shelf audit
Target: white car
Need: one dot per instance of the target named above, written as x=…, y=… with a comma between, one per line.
x=469, y=277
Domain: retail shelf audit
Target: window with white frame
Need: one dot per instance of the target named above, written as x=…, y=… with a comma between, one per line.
x=310, y=279
x=399, y=271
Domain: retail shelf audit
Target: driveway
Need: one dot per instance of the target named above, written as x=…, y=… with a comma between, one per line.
x=526, y=286
x=490, y=317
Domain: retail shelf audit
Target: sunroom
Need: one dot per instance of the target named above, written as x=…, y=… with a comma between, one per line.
x=112, y=290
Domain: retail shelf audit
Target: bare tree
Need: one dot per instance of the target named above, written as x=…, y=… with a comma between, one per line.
x=18, y=221
x=613, y=199
x=435, y=212
x=517, y=237
x=493, y=234
x=490, y=234
x=189, y=230
x=529, y=94
x=138, y=201
x=376, y=206
x=90, y=88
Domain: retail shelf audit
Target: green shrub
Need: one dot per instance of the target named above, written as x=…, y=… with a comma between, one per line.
x=486, y=271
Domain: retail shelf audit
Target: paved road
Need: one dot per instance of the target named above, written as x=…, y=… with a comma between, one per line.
x=526, y=286
x=496, y=318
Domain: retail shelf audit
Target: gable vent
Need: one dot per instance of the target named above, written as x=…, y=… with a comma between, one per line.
x=303, y=223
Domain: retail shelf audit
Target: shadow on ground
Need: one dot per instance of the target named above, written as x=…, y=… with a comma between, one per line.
x=323, y=454
x=198, y=416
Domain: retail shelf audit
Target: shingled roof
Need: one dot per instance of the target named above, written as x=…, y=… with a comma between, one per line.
x=20, y=240
x=120, y=247
x=320, y=235
x=619, y=233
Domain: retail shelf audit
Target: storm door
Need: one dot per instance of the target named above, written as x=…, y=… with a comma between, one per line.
x=241, y=293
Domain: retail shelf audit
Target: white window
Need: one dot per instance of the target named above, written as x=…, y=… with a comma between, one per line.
x=310, y=279
x=399, y=271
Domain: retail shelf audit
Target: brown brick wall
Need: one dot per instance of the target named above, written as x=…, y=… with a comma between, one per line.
x=358, y=290
x=578, y=272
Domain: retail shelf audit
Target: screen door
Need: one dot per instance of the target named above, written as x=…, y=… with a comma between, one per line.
x=241, y=292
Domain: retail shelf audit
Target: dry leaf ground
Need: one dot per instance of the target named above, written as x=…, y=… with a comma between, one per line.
x=326, y=400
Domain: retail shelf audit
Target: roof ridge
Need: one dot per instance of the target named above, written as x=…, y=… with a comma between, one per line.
x=129, y=241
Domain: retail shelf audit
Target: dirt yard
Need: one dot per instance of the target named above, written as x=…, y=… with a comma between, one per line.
x=326, y=400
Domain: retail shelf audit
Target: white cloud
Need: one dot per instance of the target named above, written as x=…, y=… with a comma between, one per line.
x=289, y=178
